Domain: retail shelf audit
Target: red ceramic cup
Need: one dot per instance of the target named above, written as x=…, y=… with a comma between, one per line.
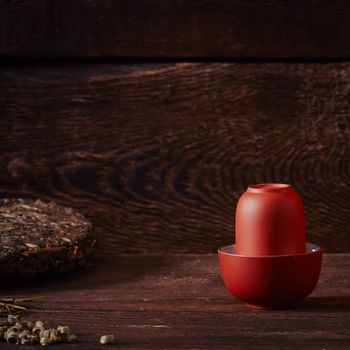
x=270, y=221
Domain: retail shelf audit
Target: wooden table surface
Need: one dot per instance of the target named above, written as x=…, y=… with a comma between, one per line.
x=179, y=302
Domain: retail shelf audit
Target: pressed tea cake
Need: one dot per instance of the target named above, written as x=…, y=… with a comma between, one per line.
x=39, y=238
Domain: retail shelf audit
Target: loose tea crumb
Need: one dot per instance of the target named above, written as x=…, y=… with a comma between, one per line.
x=38, y=332
x=63, y=330
x=72, y=338
x=39, y=324
x=12, y=337
x=107, y=339
x=45, y=341
x=26, y=340
x=12, y=319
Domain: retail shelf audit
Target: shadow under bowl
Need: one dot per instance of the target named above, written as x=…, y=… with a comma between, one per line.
x=271, y=282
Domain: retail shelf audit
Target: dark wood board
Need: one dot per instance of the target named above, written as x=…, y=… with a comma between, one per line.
x=235, y=29
x=180, y=302
x=157, y=155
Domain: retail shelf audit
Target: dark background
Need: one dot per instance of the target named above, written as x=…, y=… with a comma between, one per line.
x=151, y=117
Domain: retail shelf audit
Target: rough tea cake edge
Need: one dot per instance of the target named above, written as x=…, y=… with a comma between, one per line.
x=40, y=238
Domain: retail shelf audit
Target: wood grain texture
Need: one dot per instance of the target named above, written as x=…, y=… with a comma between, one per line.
x=180, y=302
x=251, y=29
x=157, y=155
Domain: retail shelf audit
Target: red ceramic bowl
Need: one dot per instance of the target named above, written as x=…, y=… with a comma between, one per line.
x=270, y=282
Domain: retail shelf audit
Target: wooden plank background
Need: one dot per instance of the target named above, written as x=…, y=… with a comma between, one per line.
x=158, y=154
x=253, y=29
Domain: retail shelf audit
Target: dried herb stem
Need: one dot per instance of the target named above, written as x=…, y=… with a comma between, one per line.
x=12, y=305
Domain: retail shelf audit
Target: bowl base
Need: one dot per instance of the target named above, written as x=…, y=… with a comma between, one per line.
x=272, y=307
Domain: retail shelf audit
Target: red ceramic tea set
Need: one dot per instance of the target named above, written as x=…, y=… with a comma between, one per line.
x=271, y=266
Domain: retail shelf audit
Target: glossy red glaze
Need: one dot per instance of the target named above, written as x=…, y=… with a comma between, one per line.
x=270, y=282
x=270, y=221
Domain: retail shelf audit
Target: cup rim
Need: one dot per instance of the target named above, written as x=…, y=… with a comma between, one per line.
x=230, y=250
x=269, y=187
